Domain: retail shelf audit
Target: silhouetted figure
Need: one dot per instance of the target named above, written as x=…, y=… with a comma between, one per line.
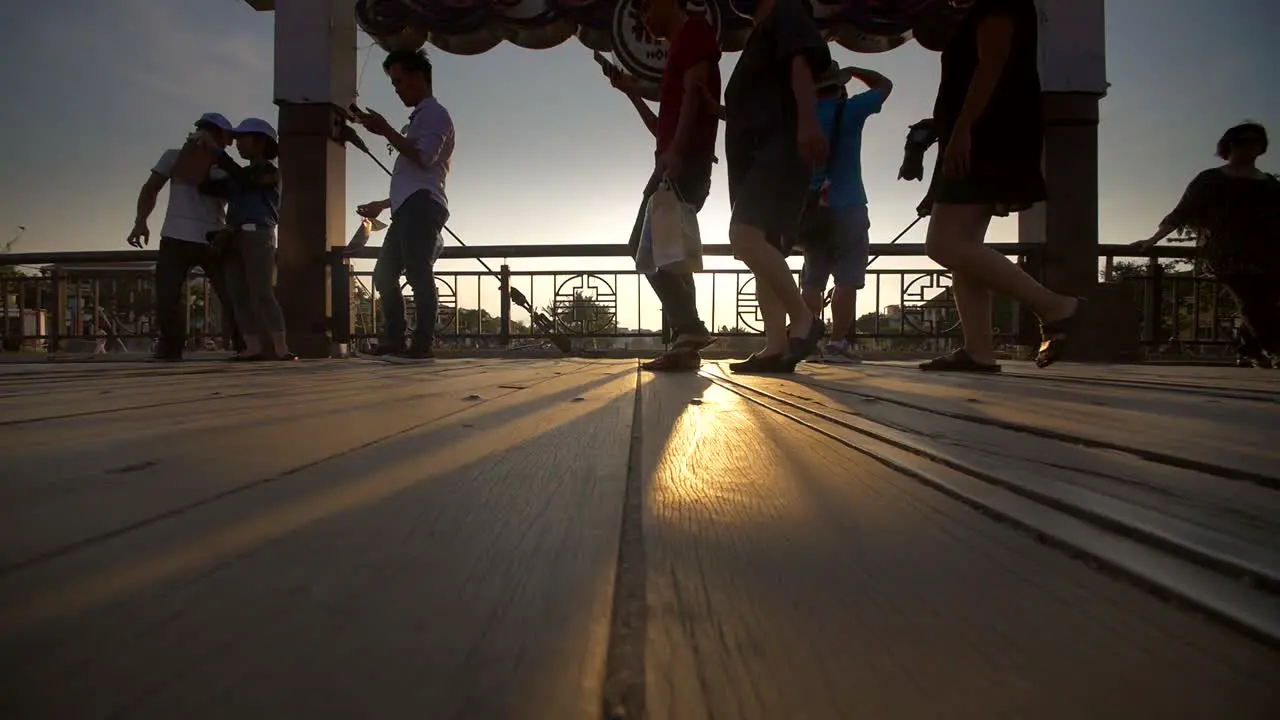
x=1235, y=210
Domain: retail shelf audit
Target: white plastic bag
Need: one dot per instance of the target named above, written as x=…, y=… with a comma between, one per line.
x=673, y=224
x=439, y=248
x=368, y=226
x=644, y=251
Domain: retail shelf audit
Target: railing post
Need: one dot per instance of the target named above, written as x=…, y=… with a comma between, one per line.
x=1151, y=321
x=504, y=307
x=340, y=291
x=59, y=311
x=1027, y=334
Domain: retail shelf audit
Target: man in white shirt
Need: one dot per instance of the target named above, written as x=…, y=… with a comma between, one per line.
x=419, y=206
x=189, y=218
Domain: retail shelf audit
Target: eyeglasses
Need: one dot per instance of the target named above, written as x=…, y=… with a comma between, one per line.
x=1249, y=140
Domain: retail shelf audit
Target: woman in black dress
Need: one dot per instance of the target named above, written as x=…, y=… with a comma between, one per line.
x=989, y=120
x=1235, y=211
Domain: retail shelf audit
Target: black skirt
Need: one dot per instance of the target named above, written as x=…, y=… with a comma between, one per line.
x=1004, y=169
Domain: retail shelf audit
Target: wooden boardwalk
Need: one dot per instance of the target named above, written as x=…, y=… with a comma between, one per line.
x=569, y=539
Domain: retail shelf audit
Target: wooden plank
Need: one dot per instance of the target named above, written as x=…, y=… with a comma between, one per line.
x=68, y=481
x=113, y=391
x=789, y=577
x=462, y=569
x=1204, y=510
x=1233, y=434
x=1217, y=377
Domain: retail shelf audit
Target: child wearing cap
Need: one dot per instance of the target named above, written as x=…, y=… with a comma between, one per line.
x=249, y=246
x=835, y=235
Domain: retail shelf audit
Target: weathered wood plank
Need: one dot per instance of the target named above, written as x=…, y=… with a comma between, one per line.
x=112, y=390
x=461, y=569
x=1228, y=433
x=1238, y=510
x=69, y=480
x=789, y=577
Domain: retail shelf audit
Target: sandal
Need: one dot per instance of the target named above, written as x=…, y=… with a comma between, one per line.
x=958, y=361
x=1054, y=335
x=287, y=357
x=761, y=364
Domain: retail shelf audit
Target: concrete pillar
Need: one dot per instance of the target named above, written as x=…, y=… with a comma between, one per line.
x=1067, y=225
x=1073, y=78
x=315, y=73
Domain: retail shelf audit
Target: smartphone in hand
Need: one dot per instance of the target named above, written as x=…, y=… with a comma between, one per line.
x=611, y=71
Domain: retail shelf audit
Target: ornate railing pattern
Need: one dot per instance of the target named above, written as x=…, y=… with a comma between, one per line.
x=103, y=301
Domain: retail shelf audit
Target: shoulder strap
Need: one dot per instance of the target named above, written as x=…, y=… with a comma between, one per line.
x=833, y=152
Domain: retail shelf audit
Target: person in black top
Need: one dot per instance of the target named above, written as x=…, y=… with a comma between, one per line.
x=1235, y=211
x=772, y=144
x=989, y=119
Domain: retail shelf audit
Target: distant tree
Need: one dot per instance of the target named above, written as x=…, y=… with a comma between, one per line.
x=583, y=315
x=1186, y=298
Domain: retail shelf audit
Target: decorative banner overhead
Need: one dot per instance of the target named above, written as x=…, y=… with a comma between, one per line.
x=637, y=50
x=469, y=27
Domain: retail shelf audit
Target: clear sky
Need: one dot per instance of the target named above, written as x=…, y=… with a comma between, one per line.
x=547, y=152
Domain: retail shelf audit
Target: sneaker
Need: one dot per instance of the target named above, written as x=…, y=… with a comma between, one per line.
x=390, y=349
x=675, y=361
x=841, y=353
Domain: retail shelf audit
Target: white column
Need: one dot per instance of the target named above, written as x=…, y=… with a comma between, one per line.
x=315, y=73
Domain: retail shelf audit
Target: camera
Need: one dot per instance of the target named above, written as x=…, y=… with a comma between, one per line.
x=920, y=137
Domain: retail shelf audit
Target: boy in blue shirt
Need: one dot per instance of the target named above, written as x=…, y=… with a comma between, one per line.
x=249, y=245
x=843, y=252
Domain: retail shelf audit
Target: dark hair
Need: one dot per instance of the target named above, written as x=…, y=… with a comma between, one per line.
x=1233, y=136
x=411, y=60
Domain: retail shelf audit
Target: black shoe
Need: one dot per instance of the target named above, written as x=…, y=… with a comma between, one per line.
x=762, y=364
x=958, y=361
x=417, y=353
x=388, y=349
x=800, y=348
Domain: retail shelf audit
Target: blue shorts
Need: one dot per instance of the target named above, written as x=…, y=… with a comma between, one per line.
x=846, y=259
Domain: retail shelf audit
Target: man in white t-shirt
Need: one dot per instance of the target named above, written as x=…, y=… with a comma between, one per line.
x=189, y=218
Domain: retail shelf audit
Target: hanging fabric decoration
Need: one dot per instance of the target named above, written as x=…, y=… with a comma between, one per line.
x=470, y=27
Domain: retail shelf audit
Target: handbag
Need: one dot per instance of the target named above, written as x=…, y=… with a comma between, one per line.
x=816, y=227
x=675, y=238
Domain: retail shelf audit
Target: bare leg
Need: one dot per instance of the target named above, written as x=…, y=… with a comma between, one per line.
x=955, y=242
x=775, y=321
x=771, y=272
x=842, y=306
x=813, y=299
x=973, y=303
x=280, y=343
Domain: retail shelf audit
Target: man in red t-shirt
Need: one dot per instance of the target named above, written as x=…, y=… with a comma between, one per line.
x=685, y=128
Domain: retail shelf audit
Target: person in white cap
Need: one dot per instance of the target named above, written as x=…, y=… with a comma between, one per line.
x=249, y=250
x=189, y=218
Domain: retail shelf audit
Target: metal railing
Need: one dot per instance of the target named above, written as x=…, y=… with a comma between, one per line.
x=104, y=301
x=1184, y=311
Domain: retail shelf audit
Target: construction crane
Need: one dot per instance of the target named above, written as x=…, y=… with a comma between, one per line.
x=14, y=240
